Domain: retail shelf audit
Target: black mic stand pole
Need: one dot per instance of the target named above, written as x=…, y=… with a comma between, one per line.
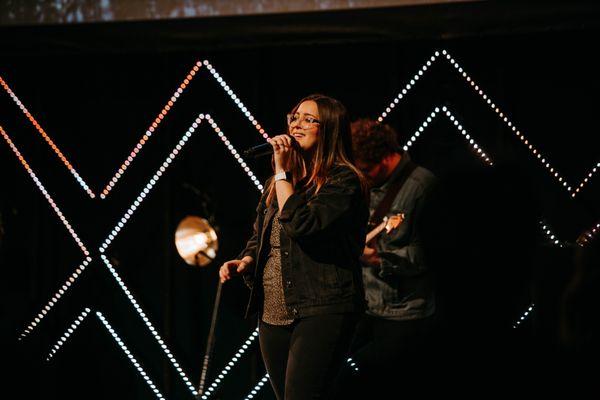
x=210, y=343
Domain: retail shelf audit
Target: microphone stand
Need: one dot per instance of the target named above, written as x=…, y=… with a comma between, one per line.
x=210, y=343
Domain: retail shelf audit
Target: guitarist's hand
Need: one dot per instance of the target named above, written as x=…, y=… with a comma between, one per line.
x=370, y=257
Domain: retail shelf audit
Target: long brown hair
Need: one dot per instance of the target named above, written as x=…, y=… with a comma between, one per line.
x=334, y=147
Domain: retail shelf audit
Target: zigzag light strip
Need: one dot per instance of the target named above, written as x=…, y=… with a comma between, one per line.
x=211, y=389
x=78, y=271
x=486, y=159
x=234, y=153
x=504, y=118
x=550, y=235
x=213, y=386
x=409, y=86
x=148, y=324
x=44, y=191
x=476, y=148
x=483, y=157
x=588, y=236
x=236, y=99
x=586, y=180
x=257, y=388
x=168, y=162
x=166, y=109
x=352, y=364
x=47, y=138
x=135, y=363
x=117, y=228
x=536, y=153
x=524, y=316
x=178, y=92
x=68, y=332
x=544, y=227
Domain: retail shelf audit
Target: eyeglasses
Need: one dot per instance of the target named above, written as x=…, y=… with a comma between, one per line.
x=305, y=121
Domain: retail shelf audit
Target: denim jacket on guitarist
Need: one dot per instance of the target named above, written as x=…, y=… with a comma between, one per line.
x=401, y=287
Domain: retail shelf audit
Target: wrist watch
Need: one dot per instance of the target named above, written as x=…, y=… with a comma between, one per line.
x=283, y=176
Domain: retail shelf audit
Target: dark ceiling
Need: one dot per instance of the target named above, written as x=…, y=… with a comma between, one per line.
x=425, y=22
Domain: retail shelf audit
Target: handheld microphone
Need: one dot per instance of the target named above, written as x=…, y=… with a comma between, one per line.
x=261, y=150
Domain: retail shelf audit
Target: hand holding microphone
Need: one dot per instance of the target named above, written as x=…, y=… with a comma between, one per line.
x=282, y=149
x=266, y=149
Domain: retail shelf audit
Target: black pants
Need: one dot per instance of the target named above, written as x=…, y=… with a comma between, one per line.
x=384, y=354
x=303, y=358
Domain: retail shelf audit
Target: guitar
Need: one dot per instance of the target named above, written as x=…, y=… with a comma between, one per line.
x=388, y=224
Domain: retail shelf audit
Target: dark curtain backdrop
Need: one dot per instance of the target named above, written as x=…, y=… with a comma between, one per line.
x=97, y=104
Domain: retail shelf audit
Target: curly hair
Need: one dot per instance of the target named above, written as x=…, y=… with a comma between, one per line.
x=372, y=141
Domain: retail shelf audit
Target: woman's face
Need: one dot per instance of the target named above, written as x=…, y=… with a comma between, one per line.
x=304, y=124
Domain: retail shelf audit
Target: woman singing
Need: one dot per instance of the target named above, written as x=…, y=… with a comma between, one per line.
x=302, y=262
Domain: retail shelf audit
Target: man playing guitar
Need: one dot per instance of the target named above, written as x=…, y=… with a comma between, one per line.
x=398, y=286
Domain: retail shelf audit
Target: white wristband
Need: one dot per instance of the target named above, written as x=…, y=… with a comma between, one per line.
x=282, y=176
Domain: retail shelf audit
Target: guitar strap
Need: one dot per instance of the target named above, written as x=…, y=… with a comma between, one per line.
x=386, y=203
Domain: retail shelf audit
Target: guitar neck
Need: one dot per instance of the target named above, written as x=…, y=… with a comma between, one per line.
x=376, y=231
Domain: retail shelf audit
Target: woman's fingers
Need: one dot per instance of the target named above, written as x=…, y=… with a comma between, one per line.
x=241, y=267
x=223, y=273
x=228, y=269
x=282, y=150
x=274, y=143
x=289, y=140
x=281, y=142
x=285, y=140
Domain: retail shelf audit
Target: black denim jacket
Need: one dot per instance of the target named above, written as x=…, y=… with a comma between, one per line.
x=322, y=238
